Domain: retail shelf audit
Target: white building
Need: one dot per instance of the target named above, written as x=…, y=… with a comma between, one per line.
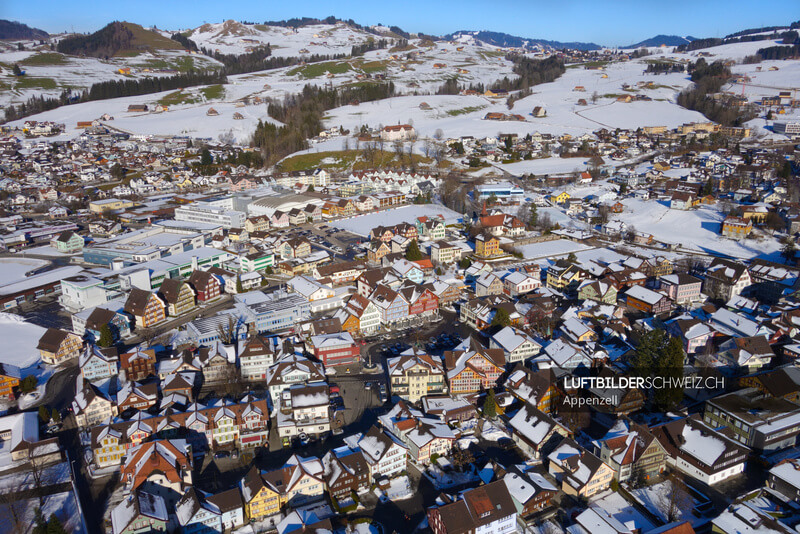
x=211, y=214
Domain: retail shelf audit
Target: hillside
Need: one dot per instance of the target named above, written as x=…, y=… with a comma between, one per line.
x=232, y=37
x=658, y=40
x=505, y=40
x=10, y=29
x=117, y=38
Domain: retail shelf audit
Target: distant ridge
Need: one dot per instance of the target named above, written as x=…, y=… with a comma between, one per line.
x=506, y=40
x=115, y=38
x=10, y=29
x=658, y=40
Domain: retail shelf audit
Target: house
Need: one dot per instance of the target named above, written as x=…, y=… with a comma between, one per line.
x=565, y=277
x=399, y=132
x=632, y=452
x=536, y=388
x=443, y=252
x=147, y=308
x=8, y=382
x=486, y=509
x=516, y=345
x=518, y=283
x=335, y=349
x=178, y=295
x=539, y=111
x=737, y=227
x=98, y=364
x=58, y=346
x=229, y=505
x=746, y=518
x=301, y=480
x=138, y=365
x=384, y=453
x=748, y=354
x=448, y=409
x=725, y=279
x=346, y=472
x=534, y=432
x=392, y=305
x=487, y=246
x=580, y=473
x=255, y=358
x=359, y=316
x=693, y=333
x=783, y=478
x=139, y=512
x=681, y=288
x=117, y=322
x=91, y=405
x=195, y=514
x=646, y=300
x=67, y=242
x=416, y=375
x=754, y=419
x=161, y=466
x=597, y=291
x=530, y=491
x=488, y=284
x=304, y=409
x=699, y=451
x=259, y=497
x=137, y=396
x=473, y=370
x=207, y=287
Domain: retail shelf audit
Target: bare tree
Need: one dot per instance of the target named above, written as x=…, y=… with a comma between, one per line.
x=673, y=500
x=16, y=512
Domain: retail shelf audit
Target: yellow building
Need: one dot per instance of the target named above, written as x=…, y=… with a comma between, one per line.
x=487, y=246
x=260, y=499
x=107, y=446
x=109, y=204
x=736, y=227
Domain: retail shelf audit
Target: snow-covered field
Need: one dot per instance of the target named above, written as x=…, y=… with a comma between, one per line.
x=657, y=500
x=549, y=249
x=696, y=229
x=362, y=224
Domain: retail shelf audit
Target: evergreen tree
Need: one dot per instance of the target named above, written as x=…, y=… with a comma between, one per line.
x=39, y=521
x=54, y=526
x=670, y=366
x=465, y=263
x=28, y=384
x=501, y=318
x=17, y=70
x=44, y=414
x=55, y=416
x=572, y=258
x=106, y=336
x=534, y=215
x=708, y=188
x=490, y=405
x=205, y=157
x=239, y=287
x=412, y=252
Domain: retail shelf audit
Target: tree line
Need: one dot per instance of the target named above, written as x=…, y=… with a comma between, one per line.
x=708, y=79
x=301, y=115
